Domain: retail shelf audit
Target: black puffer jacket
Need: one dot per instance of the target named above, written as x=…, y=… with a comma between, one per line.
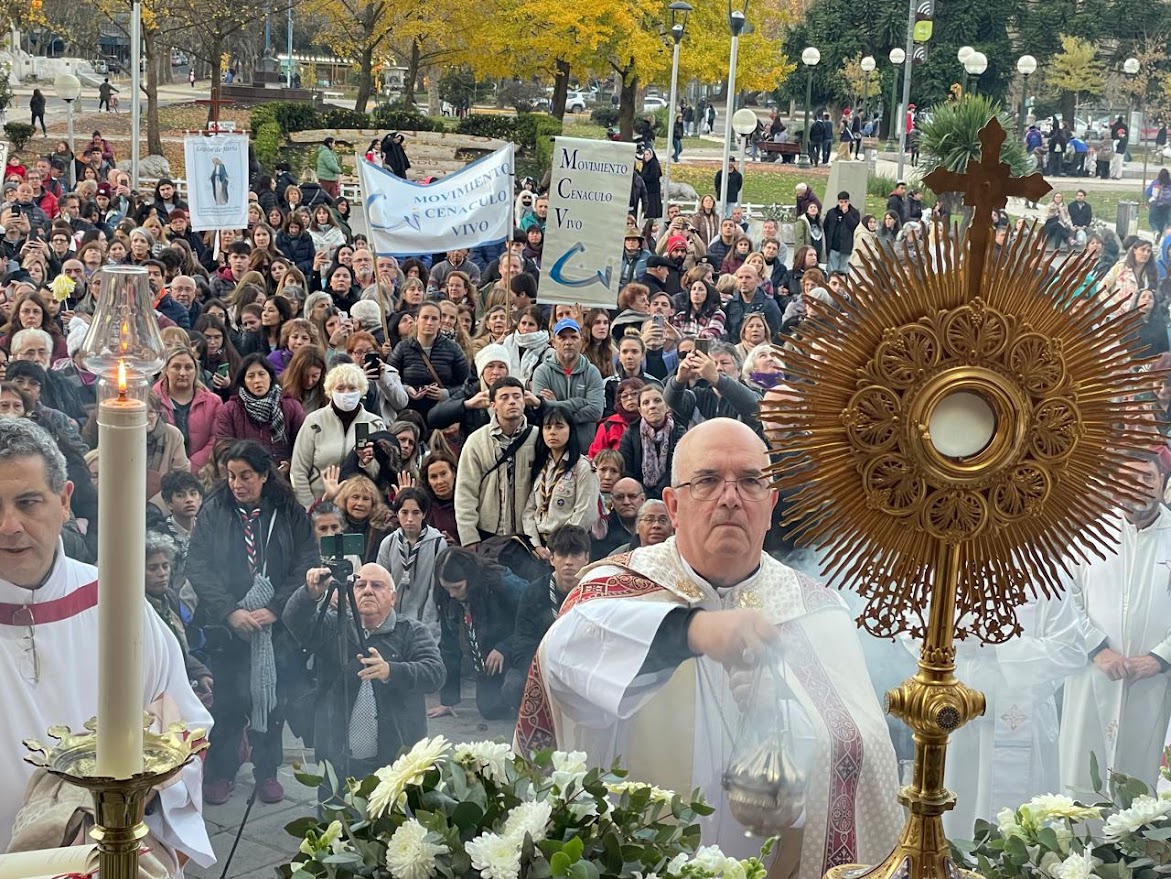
x=447, y=359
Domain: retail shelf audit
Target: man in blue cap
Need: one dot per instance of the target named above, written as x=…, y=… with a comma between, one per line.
x=571, y=383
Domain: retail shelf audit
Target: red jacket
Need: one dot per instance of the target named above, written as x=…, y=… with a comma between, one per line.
x=609, y=434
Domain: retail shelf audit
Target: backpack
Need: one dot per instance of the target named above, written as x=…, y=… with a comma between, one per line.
x=1163, y=197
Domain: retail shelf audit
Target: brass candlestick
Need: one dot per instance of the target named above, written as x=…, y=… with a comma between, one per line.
x=119, y=803
x=950, y=436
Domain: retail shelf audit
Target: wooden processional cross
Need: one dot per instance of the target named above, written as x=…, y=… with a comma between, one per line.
x=986, y=186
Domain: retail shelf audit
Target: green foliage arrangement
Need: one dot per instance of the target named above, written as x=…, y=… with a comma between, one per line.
x=478, y=809
x=607, y=117
x=395, y=118
x=19, y=134
x=1124, y=834
x=951, y=137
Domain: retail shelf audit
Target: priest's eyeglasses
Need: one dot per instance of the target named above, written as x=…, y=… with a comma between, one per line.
x=706, y=488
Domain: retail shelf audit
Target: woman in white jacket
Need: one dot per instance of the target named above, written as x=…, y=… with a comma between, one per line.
x=328, y=434
x=565, y=489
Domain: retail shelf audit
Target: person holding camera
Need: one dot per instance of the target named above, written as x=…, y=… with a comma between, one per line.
x=372, y=706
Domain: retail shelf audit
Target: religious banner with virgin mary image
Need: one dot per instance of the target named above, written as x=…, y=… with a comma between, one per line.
x=217, y=181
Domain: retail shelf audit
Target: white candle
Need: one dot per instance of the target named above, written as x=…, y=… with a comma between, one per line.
x=121, y=583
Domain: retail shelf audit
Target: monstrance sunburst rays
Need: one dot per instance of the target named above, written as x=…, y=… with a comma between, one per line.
x=854, y=446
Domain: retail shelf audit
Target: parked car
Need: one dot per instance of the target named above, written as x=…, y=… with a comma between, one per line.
x=100, y=66
x=575, y=102
x=653, y=103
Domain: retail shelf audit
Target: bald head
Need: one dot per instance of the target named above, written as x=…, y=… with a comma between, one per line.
x=374, y=594
x=627, y=496
x=707, y=441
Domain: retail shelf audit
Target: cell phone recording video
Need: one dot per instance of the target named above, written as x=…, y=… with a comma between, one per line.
x=362, y=433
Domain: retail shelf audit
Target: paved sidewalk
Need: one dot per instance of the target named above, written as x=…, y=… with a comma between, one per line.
x=265, y=844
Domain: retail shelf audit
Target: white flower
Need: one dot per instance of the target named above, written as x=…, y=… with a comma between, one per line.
x=406, y=770
x=568, y=767
x=331, y=839
x=1047, y=806
x=531, y=818
x=491, y=757
x=734, y=869
x=658, y=794
x=1050, y=862
x=710, y=859
x=1075, y=867
x=1006, y=823
x=1144, y=810
x=495, y=856
x=409, y=855
x=676, y=864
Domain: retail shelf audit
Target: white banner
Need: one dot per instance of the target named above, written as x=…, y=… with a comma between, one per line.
x=217, y=181
x=589, y=195
x=466, y=209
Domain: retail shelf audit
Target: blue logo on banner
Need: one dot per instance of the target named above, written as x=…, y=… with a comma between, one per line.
x=557, y=272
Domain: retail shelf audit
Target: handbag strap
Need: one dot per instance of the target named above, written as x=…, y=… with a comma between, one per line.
x=430, y=367
x=509, y=453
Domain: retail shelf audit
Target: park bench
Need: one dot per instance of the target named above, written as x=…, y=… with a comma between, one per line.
x=773, y=150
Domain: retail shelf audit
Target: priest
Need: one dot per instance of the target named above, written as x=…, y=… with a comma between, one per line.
x=1118, y=705
x=49, y=659
x=663, y=638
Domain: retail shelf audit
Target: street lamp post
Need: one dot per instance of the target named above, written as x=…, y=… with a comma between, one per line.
x=737, y=19
x=1025, y=66
x=867, y=64
x=897, y=56
x=964, y=53
x=974, y=65
x=1131, y=68
x=744, y=123
x=679, y=10
x=810, y=57
x=68, y=88
x=136, y=88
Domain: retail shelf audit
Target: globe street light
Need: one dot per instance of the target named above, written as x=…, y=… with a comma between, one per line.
x=1130, y=67
x=810, y=58
x=974, y=65
x=737, y=20
x=1025, y=66
x=964, y=53
x=867, y=64
x=744, y=123
x=68, y=88
x=679, y=10
x=897, y=56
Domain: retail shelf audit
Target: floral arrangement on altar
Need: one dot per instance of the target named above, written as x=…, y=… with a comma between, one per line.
x=452, y=811
x=1124, y=834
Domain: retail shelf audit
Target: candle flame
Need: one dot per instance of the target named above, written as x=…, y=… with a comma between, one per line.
x=122, y=378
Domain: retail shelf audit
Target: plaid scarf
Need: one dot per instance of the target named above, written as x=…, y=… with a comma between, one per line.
x=265, y=410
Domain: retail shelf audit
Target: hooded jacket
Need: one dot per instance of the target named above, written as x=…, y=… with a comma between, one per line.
x=579, y=393
x=415, y=599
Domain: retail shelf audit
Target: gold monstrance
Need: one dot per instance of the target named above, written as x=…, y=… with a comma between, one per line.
x=951, y=442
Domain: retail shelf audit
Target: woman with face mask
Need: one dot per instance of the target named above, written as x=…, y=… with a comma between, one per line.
x=330, y=433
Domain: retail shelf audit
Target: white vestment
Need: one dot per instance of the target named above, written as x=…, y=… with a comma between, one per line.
x=1123, y=601
x=1009, y=755
x=673, y=728
x=67, y=694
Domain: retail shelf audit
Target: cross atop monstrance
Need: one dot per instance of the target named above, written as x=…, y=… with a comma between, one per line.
x=986, y=186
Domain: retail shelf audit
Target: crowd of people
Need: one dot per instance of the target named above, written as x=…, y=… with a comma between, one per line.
x=486, y=446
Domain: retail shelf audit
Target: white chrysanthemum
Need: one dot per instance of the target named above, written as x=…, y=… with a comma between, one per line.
x=490, y=757
x=1075, y=867
x=1048, y=806
x=409, y=855
x=531, y=818
x=1006, y=823
x=676, y=864
x=1143, y=811
x=495, y=856
x=406, y=770
x=734, y=869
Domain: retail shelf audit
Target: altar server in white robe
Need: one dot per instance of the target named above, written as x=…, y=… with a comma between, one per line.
x=1118, y=705
x=1009, y=755
x=49, y=643
x=647, y=663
